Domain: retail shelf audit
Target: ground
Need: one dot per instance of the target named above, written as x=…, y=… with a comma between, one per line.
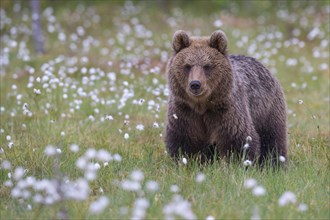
x=101, y=84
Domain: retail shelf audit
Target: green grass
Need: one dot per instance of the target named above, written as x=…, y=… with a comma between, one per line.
x=222, y=193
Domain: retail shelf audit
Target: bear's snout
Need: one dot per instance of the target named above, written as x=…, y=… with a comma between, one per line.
x=196, y=81
x=195, y=85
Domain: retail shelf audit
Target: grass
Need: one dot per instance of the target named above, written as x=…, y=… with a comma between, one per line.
x=76, y=102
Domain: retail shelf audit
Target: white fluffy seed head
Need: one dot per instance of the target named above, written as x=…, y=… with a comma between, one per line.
x=250, y=183
x=287, y=198
x=259, y=191
x=247, y=163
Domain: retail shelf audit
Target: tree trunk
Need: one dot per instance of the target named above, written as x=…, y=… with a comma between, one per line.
x=36, y=27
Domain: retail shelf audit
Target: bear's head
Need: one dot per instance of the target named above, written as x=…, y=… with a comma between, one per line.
x=199, y=69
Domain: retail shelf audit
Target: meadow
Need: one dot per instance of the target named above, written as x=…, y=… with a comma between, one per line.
x=82, y=126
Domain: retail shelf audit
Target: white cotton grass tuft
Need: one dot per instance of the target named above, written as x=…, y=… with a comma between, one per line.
x=140, y=127
x=259, y=191
x=19, y=173
x=50, y=150
x=130, y=185
x=287, y=198
x=209, y=217
x=99, y=205
x=174, y=189
x=180, y=207
x=247, y=163
x=140, y=208
x=200, y=177
x=250, y=183
x=152, y=186
x=74, y=148
x=282, y=159
x=6, y=165
x=302, y=207
x=246, y=146
x=255, y=214
x=137, y=175
x=184, y=161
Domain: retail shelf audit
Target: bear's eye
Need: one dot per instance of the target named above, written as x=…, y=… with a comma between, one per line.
x=187, y=68
x=207, y=67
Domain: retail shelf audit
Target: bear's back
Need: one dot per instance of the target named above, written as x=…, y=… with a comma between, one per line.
x=261, y=87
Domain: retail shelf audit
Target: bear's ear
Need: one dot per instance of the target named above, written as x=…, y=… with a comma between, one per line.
x=218, y=40
x=180, y=40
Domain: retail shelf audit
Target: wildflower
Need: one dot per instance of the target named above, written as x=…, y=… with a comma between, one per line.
x=97, y=166
x=152, y=186
x=209, y=217
x=108, y=117
x=36, y=91
x=250, y=183
x=140, y=127
x=62, y=133
x=101, y=190
x=6, y=165
x=282, y=159
x=126, y=136
x=174, y=189
x=8, y=138
x=259, y=191
x=184, y=161
x=287, y=198
x=99, y=205
x=155, y=125
x=178, y=206
x=255, y=214
x=117, y=157
x=139, y=209
x=247, y=163
x=10, y=144
x=248, y=138
x=137, y=175
x=81, y=163
x=302, y=207
x=130, y=185
x=217, y=23
x=90, y=153
x=50, y=150
x=74, y=148
x=300, y=102
x=18, y=174
x=103, y=155
x=246, y=146
x=175, y=116
x=200, y=177
x=8, y=183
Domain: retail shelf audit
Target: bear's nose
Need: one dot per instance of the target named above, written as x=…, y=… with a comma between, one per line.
x=195, y=85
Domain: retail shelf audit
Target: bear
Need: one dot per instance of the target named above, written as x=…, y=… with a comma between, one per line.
x=222, y=104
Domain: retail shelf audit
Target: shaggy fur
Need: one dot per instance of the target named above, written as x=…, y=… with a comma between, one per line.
x=238, y=97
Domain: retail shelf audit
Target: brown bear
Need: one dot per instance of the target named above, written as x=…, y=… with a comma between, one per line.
x=222, y=103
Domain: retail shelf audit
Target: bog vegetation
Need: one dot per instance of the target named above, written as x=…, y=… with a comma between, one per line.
x=82, y=125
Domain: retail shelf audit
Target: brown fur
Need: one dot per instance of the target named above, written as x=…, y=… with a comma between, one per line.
x=237, y=98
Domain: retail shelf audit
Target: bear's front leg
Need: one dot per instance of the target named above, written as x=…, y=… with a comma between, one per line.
x=179, y=142
x=185, y=133
x=245, y=144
